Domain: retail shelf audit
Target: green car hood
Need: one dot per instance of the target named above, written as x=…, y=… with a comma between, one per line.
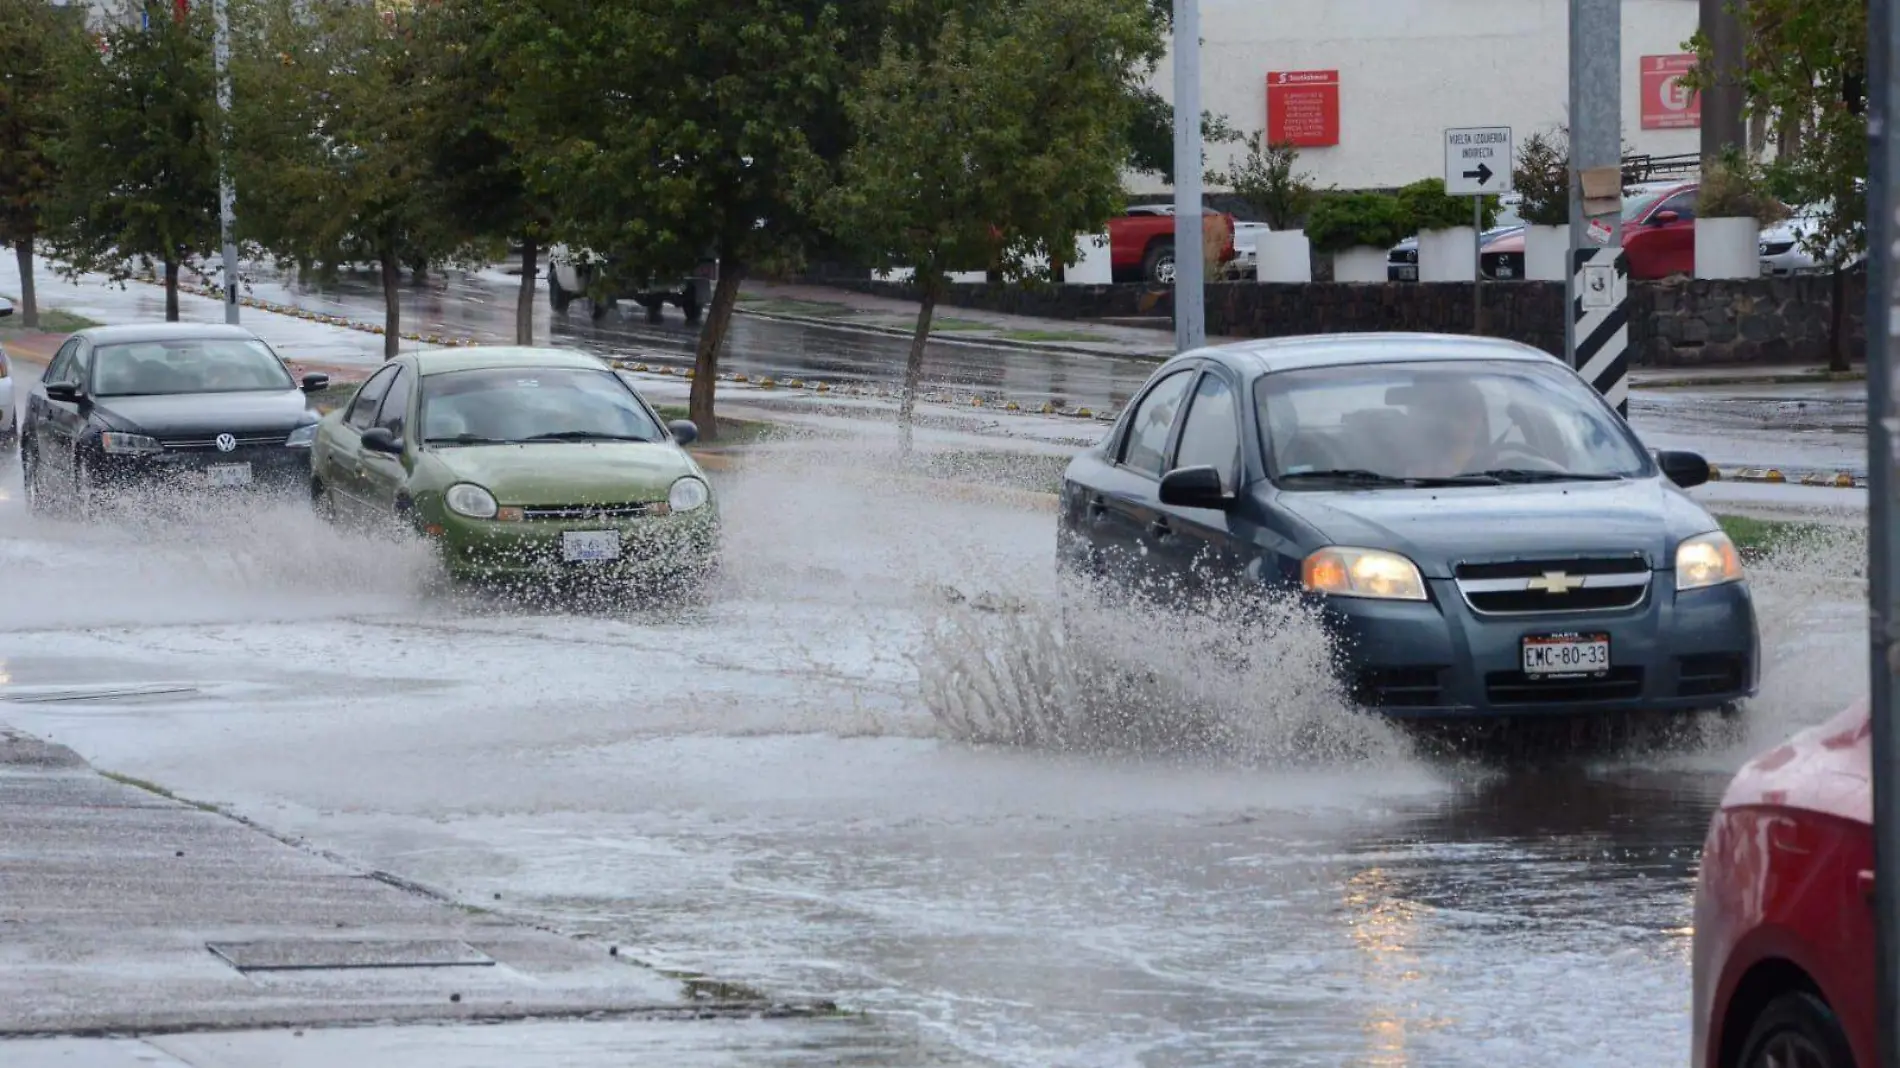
x=558, y=473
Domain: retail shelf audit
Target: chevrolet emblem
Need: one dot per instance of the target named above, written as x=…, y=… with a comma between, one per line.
x=1555, y=582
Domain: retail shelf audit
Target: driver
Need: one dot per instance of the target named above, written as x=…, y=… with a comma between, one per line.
x=1451, y=428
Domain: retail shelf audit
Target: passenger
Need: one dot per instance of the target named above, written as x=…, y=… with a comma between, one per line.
x=1451, y=428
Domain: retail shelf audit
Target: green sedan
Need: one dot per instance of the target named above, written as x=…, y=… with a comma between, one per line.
x=519, y=464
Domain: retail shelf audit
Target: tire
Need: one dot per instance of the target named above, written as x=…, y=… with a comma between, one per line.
x=656, y=310
x=1158, y=265
x=558, y=297
x=86, y=503
x=323, y=502
x=602, y=305
x=692, y=309
x=1796, y=1029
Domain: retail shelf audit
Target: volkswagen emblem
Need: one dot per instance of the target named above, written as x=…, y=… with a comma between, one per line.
x=225, y=442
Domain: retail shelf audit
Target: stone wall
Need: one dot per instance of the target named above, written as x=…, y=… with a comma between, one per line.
x=1681, y=322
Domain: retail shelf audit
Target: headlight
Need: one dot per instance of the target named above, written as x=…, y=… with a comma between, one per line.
x=1707, y=560
x=302, y=438
x=687, y=494
x=119, y=444
x=1341, y=572
x=466, y=498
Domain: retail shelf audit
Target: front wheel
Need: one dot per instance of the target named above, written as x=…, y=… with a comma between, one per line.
x=1158, y=265
x=1797, y=1029
x=558, y=297
x=656, y=310
x=31, y=480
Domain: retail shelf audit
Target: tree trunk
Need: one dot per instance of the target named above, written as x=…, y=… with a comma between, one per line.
x=712, y=337
x=914, y=367
x=1837, y=354
x=29, y=302
x=524, y=301
x=171, y=290
x=392, y=306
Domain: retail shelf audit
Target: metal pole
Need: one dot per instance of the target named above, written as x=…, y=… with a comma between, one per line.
x=1883, y=542
x=227, y=196
x=1190, y=285
x=1477, y=265
x=1596, y=126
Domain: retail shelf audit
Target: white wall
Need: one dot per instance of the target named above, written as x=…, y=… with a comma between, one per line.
x=1411, y=68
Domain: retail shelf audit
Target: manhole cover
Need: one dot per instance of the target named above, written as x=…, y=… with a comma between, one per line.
x=313, y=955
x=96, y=695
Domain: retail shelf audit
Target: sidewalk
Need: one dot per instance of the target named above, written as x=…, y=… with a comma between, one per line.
x=125, y=911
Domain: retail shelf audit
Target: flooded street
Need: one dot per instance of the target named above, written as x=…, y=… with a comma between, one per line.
x=775, y=788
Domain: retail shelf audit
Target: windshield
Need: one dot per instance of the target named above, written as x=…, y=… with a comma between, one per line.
x=511, y=405
x=1635, y=206
x=187, y=365
x=1508, y=216
x=1480, y=421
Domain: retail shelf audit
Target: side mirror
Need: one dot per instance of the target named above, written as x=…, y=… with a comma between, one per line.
x=63, y=392
x=1195, y=487
x=1664, y=218
x=685, y=431
x=379, y=439
x=1685, y=469
x=315, y=382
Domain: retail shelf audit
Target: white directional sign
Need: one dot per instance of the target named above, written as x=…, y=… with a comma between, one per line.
x=1478, y=161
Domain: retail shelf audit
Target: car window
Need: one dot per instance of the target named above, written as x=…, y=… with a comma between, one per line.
x=363, y=408
x=1211, y=435
x=395, y=410
x=1683, y=204
x=1637, y=206
x=60, y=369
x=186, y=365
x=1440, y=419
x=517, y=404
x=1147, y=441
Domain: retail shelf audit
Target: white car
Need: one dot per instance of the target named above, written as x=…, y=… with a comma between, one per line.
x=9, y=419
x=1785, y=250
x=571, y=273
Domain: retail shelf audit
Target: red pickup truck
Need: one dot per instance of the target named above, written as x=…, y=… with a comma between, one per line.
x=1141, y=243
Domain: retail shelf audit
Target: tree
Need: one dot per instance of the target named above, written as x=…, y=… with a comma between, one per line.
x=1264, y=177
x=138, y=153
x=1805, y=71
x=990, y=141
x=332, y=159
x=37, y=43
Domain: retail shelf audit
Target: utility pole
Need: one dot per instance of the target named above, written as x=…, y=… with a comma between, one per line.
x=1190, y=284
x=1883, y=539
x=1722, y=126
x=227, y=196
x=1596, y=330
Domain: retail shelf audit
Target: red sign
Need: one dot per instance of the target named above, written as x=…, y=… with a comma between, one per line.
x=1303, y=108
x=1666, y=104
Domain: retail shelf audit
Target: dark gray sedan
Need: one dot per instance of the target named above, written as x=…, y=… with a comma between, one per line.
x=1483, y=532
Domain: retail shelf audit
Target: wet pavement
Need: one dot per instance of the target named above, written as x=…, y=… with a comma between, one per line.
x=764, y=789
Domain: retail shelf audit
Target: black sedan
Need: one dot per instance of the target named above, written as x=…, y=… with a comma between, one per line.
x=1480, y=529
x=167, y=406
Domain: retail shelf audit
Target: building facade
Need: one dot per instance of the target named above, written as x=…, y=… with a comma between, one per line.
x=1370, y=86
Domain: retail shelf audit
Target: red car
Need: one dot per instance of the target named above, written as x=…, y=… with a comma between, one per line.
x=1658, y=237
x=1784, y=919
x=1141, y=243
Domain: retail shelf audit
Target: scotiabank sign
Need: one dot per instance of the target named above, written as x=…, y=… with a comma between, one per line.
x=1303, y=108
x=1667, y=105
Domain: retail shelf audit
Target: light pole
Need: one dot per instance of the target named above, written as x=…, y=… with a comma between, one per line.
x=1190, y=291
x=227, y=196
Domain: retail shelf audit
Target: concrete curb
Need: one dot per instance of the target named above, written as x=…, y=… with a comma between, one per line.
x=966, y=339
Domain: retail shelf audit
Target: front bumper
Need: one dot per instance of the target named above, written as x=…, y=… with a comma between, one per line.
x=659, y=547
x=1439, y=659
x=272, y=469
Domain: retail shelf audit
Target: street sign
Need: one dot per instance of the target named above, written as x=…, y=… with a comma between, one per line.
x=1478, y=161
x=1600, y=322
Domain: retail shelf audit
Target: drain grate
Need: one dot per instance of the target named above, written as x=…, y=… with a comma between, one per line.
x=292, y=955
x=60, y=694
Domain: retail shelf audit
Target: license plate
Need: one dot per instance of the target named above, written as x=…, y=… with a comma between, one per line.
x=1408, y=274
x=1559, y=655
x=588, y=546
x=227, y=475
x=1505, y=271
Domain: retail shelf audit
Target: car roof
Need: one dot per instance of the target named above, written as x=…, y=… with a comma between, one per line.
x=493, y=357
x=1251, y=358
x=136, y=332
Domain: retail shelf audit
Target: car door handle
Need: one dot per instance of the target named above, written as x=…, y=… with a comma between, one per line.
x=1161, y=530
x=1098, y=509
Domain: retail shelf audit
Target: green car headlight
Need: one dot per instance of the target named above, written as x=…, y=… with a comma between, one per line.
x=466, y=498
x=687, y=494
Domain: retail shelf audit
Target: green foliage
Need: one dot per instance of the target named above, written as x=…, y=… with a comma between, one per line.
x=1357, y=220
x=37, y=45
x=1542, y=177
x=1150, y=133
x=138, y=156
x=1429, y=207
x=1264, y=177
x=1733, y=188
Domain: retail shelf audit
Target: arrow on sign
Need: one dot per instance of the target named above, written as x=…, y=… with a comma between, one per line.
x=1482, y=174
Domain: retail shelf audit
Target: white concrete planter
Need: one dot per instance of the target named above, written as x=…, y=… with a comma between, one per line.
x=1727, y=248
x=1092, y=266
x=1546, y=252
x=1359, y=265
x=1286, y=256
x=1448, y=255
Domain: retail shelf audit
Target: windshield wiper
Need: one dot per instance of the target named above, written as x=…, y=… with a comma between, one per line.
x=1524, y=474
x=584, y=435
x=465, y=439
x=1361, y=477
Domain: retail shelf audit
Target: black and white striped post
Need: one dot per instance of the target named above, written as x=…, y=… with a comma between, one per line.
x=1599, y=320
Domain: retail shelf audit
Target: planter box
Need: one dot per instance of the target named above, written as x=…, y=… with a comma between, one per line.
x=1727, y=248
x=1092, y=266
x=1448, y=255
x=1546, y=253
x=1359, y=265
x=1285, y=256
